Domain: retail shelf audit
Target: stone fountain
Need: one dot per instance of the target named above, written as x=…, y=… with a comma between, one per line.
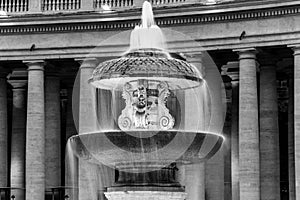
x=151, y=136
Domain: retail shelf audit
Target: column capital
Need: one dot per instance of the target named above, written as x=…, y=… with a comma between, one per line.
x=18, y=84
x=35, y=64
x=87, y=62
x=295, y=48
x=246, y=53
x=234, y=78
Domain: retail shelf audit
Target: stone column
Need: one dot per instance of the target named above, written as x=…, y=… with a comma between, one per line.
x=87, y=123
x=291, y=137
x=297, y=118
x=70, y=124
x=18, y=137
x=35, y=132
x=227, y=142
x=195, y=181
x=194, y=173
x=87, y=112
x=3, y=130
x=235, y=139
x=215, y=166
x=232, y=70
x=269, y=134
x=248, y=127
x=71, y=166
x=53, y=131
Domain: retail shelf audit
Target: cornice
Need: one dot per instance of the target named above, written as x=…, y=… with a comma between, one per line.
x=166, y=16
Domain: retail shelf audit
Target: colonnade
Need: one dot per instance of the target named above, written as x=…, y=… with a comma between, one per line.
x=254, y=142
x=35, y=148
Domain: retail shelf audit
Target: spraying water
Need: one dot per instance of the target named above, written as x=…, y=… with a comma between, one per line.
x=147, y=15
x=148, y=34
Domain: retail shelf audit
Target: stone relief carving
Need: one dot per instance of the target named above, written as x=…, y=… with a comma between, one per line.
x=145, y=106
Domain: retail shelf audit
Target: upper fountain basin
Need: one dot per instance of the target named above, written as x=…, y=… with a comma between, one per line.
x=147, y=64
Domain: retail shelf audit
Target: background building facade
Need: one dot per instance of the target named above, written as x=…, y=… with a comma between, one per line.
x=254, y=43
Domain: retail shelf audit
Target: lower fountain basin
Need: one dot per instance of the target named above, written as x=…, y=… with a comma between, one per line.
x=140, y=151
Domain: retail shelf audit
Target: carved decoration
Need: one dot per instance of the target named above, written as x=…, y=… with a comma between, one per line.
x=140, y=63
x=145, y=106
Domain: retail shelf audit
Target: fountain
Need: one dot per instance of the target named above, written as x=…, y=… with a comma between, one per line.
x=153, y=129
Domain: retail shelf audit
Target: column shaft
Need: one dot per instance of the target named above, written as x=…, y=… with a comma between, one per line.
x=248, y=128
x=52, y=130
x=71, y=167
x=3, y=132
x=227, y=143
x=195, y=173
x=17, y=166
x=70, y=124
x=215, y=166
x=291, y=142
x=35, y=133
x=87, y=123
x=269, y=135
x=195, y=181
x=297, y=118
x=235, y=141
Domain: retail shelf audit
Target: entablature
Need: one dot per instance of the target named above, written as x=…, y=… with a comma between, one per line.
x=76, y=35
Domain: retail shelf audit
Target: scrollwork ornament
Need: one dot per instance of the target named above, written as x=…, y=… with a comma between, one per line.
x=166, y=122
x=124, y=123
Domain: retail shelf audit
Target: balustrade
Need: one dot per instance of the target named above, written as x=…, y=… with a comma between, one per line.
x=8, y=193
x=4, y=193
x=56, y=193
x=14, y=5
x=55, y=5
x=165, y=2
x=127, y=3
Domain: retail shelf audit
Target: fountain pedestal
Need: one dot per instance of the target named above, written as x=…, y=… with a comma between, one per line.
x=145, y=195
x=147, y=185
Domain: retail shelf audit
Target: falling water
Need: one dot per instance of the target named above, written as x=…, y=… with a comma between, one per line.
x=71, y=163
x=206, y=105
x=99, y=176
